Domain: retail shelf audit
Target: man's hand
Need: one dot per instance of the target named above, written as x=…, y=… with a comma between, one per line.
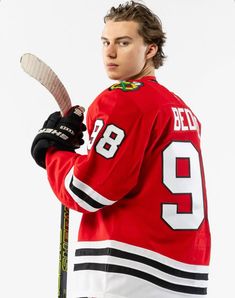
x=64, y=133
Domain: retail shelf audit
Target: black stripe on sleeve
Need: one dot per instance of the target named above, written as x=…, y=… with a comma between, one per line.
x=143, y=275
x=82, y=195
x=144, y=260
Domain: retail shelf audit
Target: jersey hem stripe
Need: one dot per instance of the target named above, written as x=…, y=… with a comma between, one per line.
x=141, y=259
x=143, y=275
x=153, y=255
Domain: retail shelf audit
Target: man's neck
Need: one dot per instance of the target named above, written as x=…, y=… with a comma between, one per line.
x=148, y=70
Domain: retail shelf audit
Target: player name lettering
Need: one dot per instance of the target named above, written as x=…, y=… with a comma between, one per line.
x=184, y=120
x=54, y=132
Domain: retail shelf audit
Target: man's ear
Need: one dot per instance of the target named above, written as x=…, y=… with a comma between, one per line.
x=151, y=50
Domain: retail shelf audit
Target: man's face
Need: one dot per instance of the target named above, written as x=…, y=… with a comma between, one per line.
x=124, y=51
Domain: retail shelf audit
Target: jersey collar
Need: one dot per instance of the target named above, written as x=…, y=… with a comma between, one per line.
x=146, y=78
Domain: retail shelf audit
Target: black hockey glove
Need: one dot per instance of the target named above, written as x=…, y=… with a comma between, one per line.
x=64, y=133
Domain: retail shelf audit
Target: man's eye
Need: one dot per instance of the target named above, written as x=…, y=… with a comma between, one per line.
x=123, y=43
x=105, y=43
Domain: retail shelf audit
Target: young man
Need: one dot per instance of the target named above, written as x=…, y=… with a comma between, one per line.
x=144, y=232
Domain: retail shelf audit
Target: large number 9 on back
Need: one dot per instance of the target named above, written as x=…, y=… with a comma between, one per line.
x=191, y=185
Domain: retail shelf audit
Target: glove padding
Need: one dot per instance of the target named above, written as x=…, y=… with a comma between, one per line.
x=64, y=133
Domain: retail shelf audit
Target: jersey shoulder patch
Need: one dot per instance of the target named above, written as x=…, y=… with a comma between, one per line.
x=126, y=86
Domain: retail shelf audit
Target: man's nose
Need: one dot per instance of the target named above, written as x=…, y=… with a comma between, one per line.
x=111, y=51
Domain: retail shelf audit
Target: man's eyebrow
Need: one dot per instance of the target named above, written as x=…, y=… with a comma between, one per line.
x=118, y=38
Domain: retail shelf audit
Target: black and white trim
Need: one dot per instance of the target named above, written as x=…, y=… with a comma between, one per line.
x=120, y=258
x=84, y=195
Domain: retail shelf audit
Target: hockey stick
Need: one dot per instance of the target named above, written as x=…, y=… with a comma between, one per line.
x=40, y=71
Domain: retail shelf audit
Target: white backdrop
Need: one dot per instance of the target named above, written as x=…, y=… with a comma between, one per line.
x=66, y=34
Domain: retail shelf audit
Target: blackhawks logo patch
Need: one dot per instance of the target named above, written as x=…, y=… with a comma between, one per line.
x=126, y=86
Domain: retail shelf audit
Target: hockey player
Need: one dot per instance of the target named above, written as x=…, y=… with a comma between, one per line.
x=144, y=231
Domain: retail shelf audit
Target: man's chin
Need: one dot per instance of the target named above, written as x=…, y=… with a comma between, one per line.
x=114, y=76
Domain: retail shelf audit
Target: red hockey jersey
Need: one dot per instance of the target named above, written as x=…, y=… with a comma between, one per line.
x=141, y=188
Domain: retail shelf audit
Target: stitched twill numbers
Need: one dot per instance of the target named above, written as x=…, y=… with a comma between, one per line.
x=187, y=184
x=110, y=141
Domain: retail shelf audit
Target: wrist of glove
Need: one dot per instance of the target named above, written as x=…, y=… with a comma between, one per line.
x=64, y=133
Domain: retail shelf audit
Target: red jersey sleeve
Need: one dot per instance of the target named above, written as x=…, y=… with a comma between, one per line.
x=118, y=137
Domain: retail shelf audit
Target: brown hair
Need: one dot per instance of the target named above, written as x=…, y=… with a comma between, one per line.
x=150, y=26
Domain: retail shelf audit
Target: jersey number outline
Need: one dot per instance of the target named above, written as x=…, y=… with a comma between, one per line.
x=110, y=141
x=189, y=185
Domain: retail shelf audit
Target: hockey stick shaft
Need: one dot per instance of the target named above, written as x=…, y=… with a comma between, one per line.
x=63, y=257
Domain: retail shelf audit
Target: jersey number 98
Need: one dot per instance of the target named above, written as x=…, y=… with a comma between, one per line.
x=110, y=141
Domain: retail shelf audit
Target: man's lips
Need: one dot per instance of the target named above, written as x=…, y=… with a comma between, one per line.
x=111, y=65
